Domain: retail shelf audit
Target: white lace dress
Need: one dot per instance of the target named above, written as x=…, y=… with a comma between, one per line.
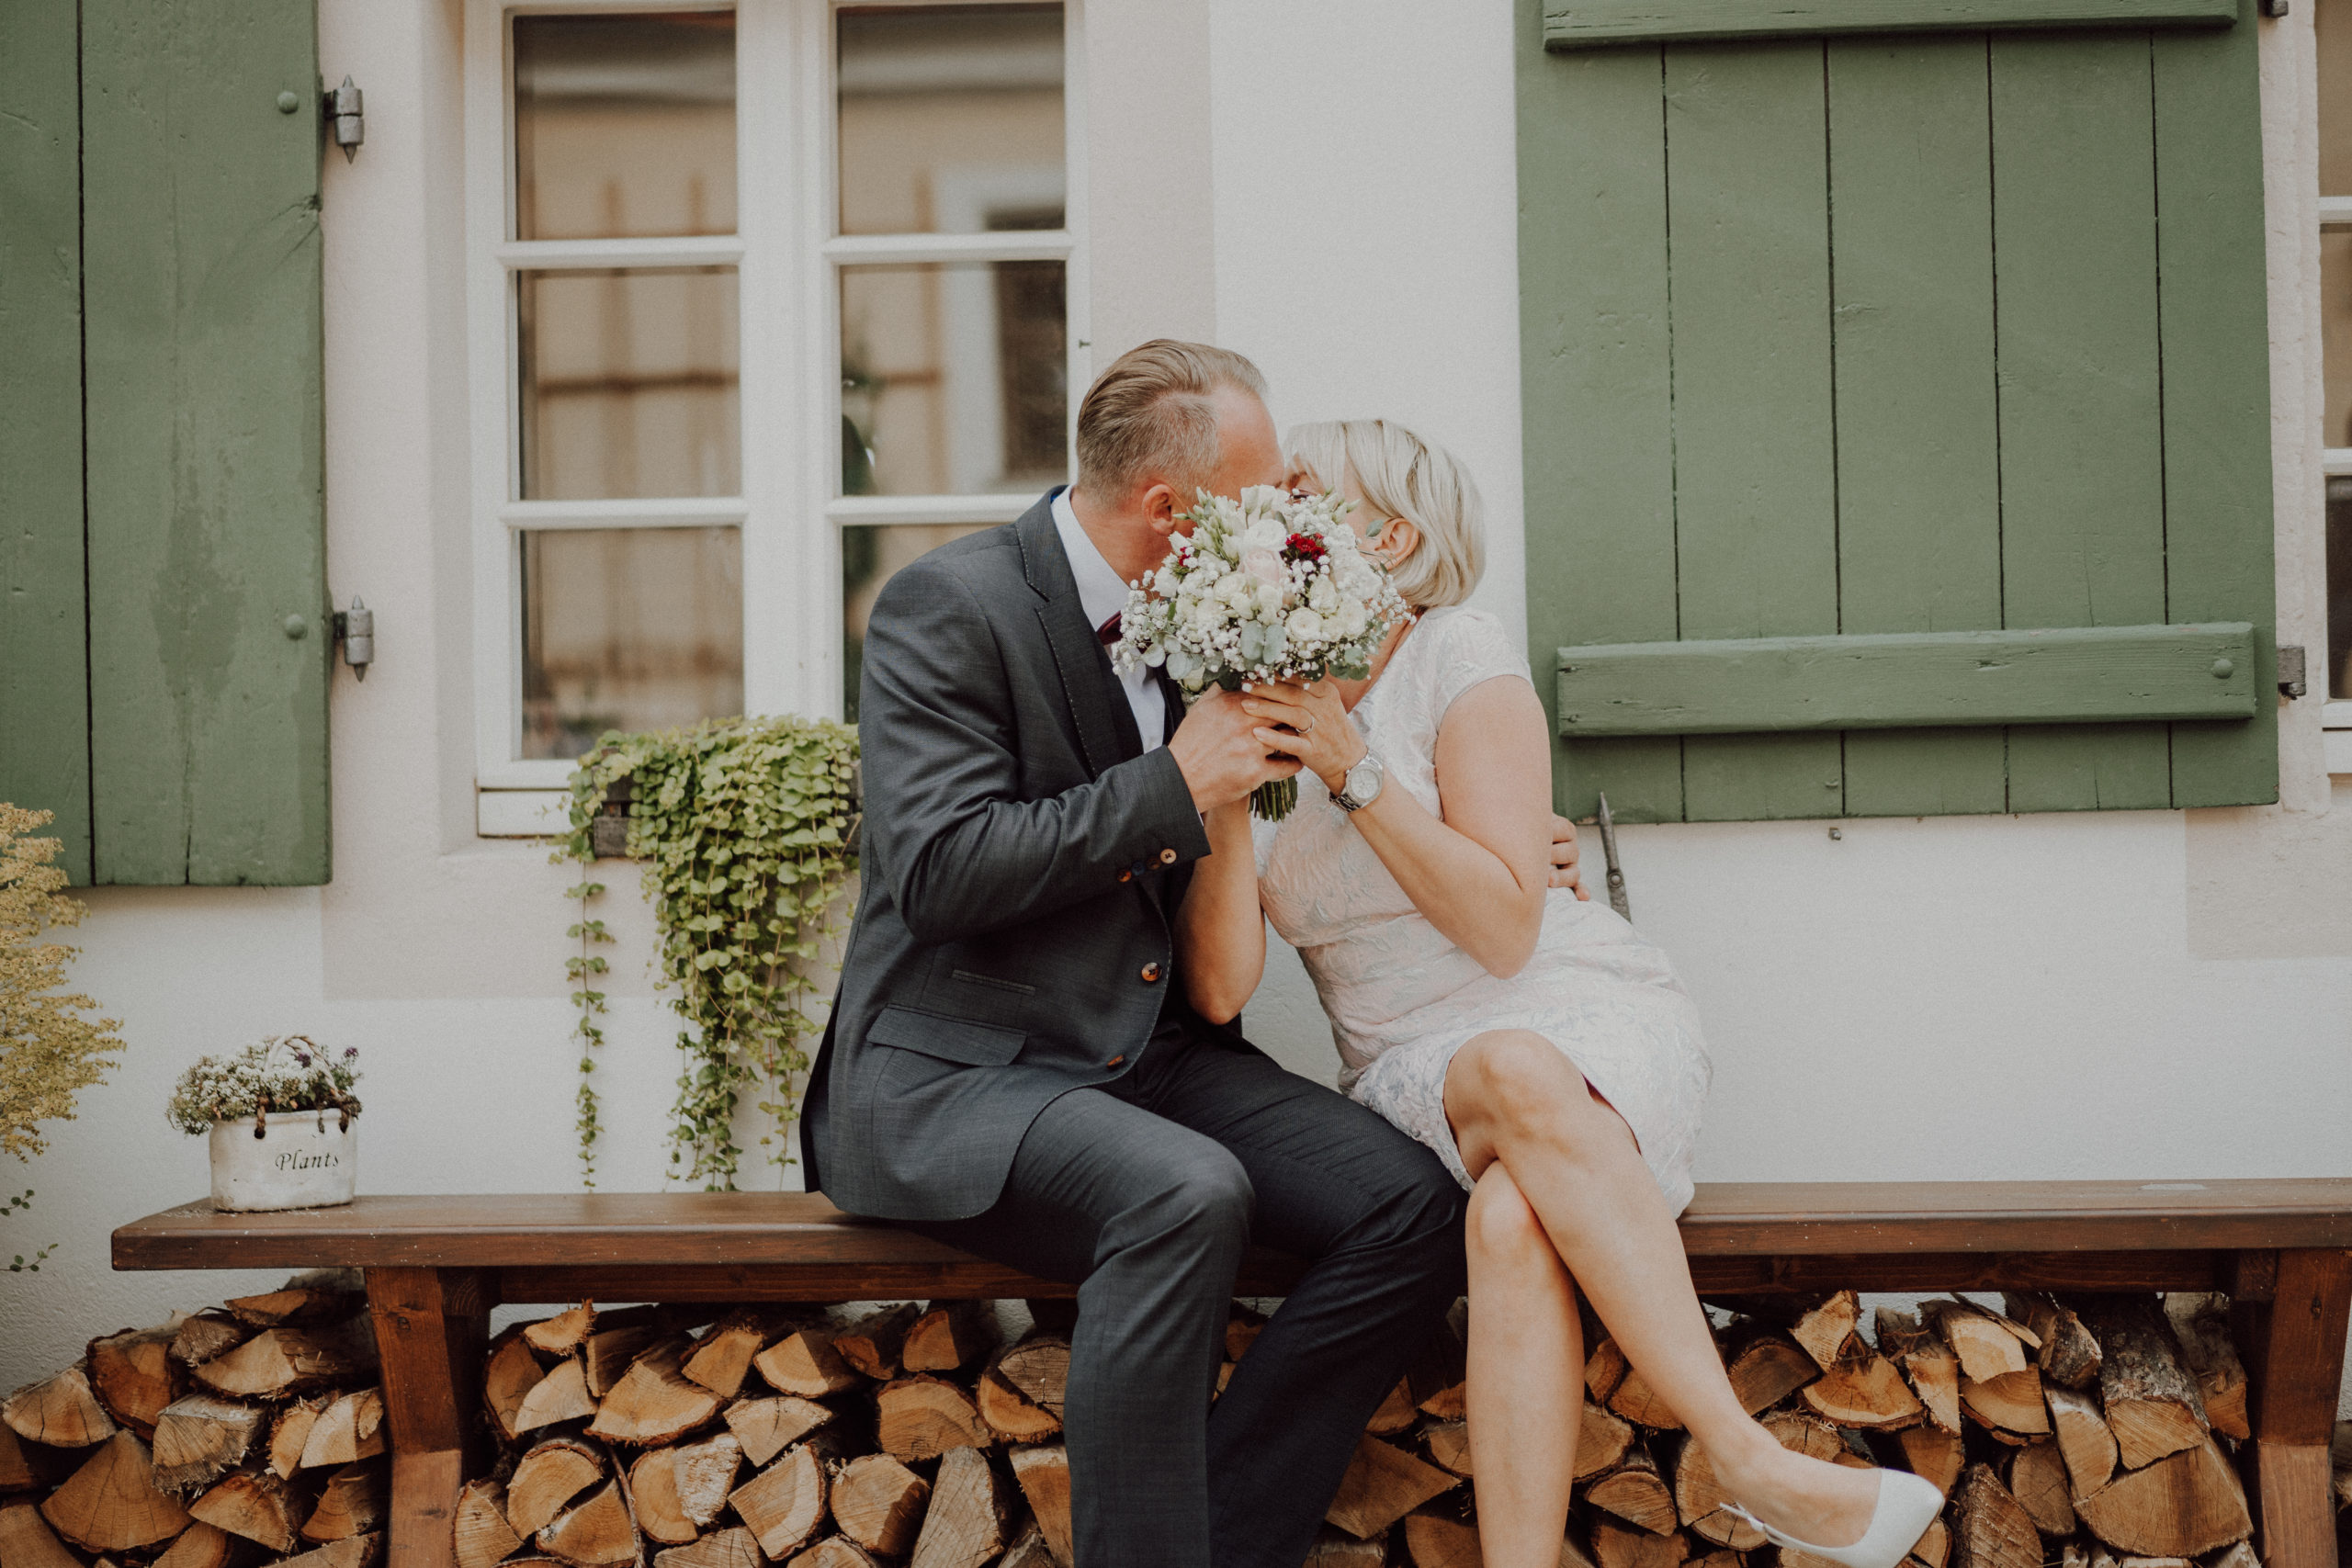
x=1403, y=998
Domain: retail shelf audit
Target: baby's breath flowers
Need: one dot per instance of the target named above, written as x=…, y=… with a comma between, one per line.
x=283, y=1074
x=1272, y=587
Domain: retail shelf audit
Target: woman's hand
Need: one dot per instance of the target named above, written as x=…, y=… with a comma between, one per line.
x=1309, y=722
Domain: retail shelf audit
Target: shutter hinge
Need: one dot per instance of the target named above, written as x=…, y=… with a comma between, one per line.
x=356, y=629
x=2290, y=671
x=2274, y=7
x=345, y=122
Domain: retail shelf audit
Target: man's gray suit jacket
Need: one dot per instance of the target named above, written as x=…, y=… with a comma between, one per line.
x=1022, y=861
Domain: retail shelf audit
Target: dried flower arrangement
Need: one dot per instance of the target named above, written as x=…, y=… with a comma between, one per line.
x=284, y=1074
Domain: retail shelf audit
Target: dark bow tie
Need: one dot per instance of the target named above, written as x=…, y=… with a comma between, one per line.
x=1108, y=632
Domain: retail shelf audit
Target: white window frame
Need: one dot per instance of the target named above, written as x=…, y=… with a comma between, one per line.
x=788, y=254
x=2335, y=462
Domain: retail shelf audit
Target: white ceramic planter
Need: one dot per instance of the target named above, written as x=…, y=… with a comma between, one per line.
x=301, y=1160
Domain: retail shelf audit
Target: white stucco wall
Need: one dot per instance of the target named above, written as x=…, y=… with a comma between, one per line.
x=2145, y=994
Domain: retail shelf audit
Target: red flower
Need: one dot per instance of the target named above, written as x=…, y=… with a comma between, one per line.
x=1305, y=546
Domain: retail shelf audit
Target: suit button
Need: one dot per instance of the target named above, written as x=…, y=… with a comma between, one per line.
x=1127, y=876
x=1139, y=868
x=1167, y=857
x=1151, y=973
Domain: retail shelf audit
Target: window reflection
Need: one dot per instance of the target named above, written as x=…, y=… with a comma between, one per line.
x=629, y=629
x=624, y=125
x=954, y=379
x=950, y=116
x=2335, y=333
x=870, y=557
x=629, y=384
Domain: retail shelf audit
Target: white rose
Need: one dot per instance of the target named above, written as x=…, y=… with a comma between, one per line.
x=1270, y=599
x=1323, y=595
x=1304, y=625
x=1352, y=619
x=1266, y=534
x=1264, y=564
x=1235, y=589
x=1164, y=582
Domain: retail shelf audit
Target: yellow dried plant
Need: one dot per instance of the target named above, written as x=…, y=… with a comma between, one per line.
x=49, y=1051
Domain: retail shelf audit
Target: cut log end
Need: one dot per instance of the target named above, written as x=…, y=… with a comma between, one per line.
x=112, y=1504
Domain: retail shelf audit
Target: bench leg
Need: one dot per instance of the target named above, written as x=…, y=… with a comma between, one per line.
x=431, y=1328
x=2294, y=1355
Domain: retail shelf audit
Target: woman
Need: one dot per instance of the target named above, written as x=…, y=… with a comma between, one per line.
x=1539, y=1045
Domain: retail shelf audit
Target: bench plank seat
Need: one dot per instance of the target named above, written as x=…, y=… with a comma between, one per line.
x=1725, y=1220
x=437, y=1265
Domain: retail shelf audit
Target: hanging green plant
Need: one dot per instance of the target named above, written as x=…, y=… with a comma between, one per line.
x=745, y=826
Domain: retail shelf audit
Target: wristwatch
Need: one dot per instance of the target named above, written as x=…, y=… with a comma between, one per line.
x=1362, y=785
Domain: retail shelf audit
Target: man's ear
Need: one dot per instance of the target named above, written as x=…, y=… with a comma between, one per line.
x=1159, y=503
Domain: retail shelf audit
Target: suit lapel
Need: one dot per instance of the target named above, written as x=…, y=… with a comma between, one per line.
x=1088, y=684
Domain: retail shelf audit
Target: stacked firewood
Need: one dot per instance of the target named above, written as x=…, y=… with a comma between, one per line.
x=2082, y=1432
x=247, y=1434
x=2093, y=1433
x=824, y=1439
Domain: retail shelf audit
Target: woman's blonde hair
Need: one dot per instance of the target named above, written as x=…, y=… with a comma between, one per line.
x=1400, y=475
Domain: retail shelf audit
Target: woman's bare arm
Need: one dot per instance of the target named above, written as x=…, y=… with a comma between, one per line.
x=1480, y=874
x=1220, y=927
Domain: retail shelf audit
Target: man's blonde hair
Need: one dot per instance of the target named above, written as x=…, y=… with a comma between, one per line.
x=1400, y=475
x=1153, y=414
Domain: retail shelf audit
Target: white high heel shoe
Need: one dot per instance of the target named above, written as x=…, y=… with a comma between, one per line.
x=1906, y=1506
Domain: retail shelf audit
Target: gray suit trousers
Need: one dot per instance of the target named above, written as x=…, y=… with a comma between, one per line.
x=1145, y=1192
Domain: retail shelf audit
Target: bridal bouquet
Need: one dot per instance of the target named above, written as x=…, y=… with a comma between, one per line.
x=1270, y=587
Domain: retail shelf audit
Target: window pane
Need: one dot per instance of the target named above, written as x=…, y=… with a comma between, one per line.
x=954, y=379
x=870, y=557
x=629, y=384
x=629, y=629
x=951, y=120
x=2334, y=21
x=2335, y=333
x=624, y=125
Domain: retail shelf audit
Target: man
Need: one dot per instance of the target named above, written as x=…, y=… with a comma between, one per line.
x=1011, y=1066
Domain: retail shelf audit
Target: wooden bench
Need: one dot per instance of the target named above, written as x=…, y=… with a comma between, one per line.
x=436, y=1266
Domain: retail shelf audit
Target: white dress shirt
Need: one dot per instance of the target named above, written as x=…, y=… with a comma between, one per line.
x=1101, y=595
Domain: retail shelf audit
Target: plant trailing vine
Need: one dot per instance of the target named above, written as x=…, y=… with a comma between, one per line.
x=745, y=826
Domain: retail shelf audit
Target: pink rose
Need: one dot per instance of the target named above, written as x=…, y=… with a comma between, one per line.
x=1266, y=566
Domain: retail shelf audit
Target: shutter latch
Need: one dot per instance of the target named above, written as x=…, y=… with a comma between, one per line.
x=344, y=119
x=356, y=629
x=2290, y=671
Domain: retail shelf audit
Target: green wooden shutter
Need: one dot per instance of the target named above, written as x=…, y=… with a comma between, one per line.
x=162, y=337
x=44, y=685
x=1864, y=376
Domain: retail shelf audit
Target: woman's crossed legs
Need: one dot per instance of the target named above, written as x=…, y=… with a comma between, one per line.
x=1563, y=1201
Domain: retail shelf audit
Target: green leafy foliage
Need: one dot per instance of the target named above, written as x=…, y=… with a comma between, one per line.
x=745, y=826
x=49, y=1051
x=18, y=1265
